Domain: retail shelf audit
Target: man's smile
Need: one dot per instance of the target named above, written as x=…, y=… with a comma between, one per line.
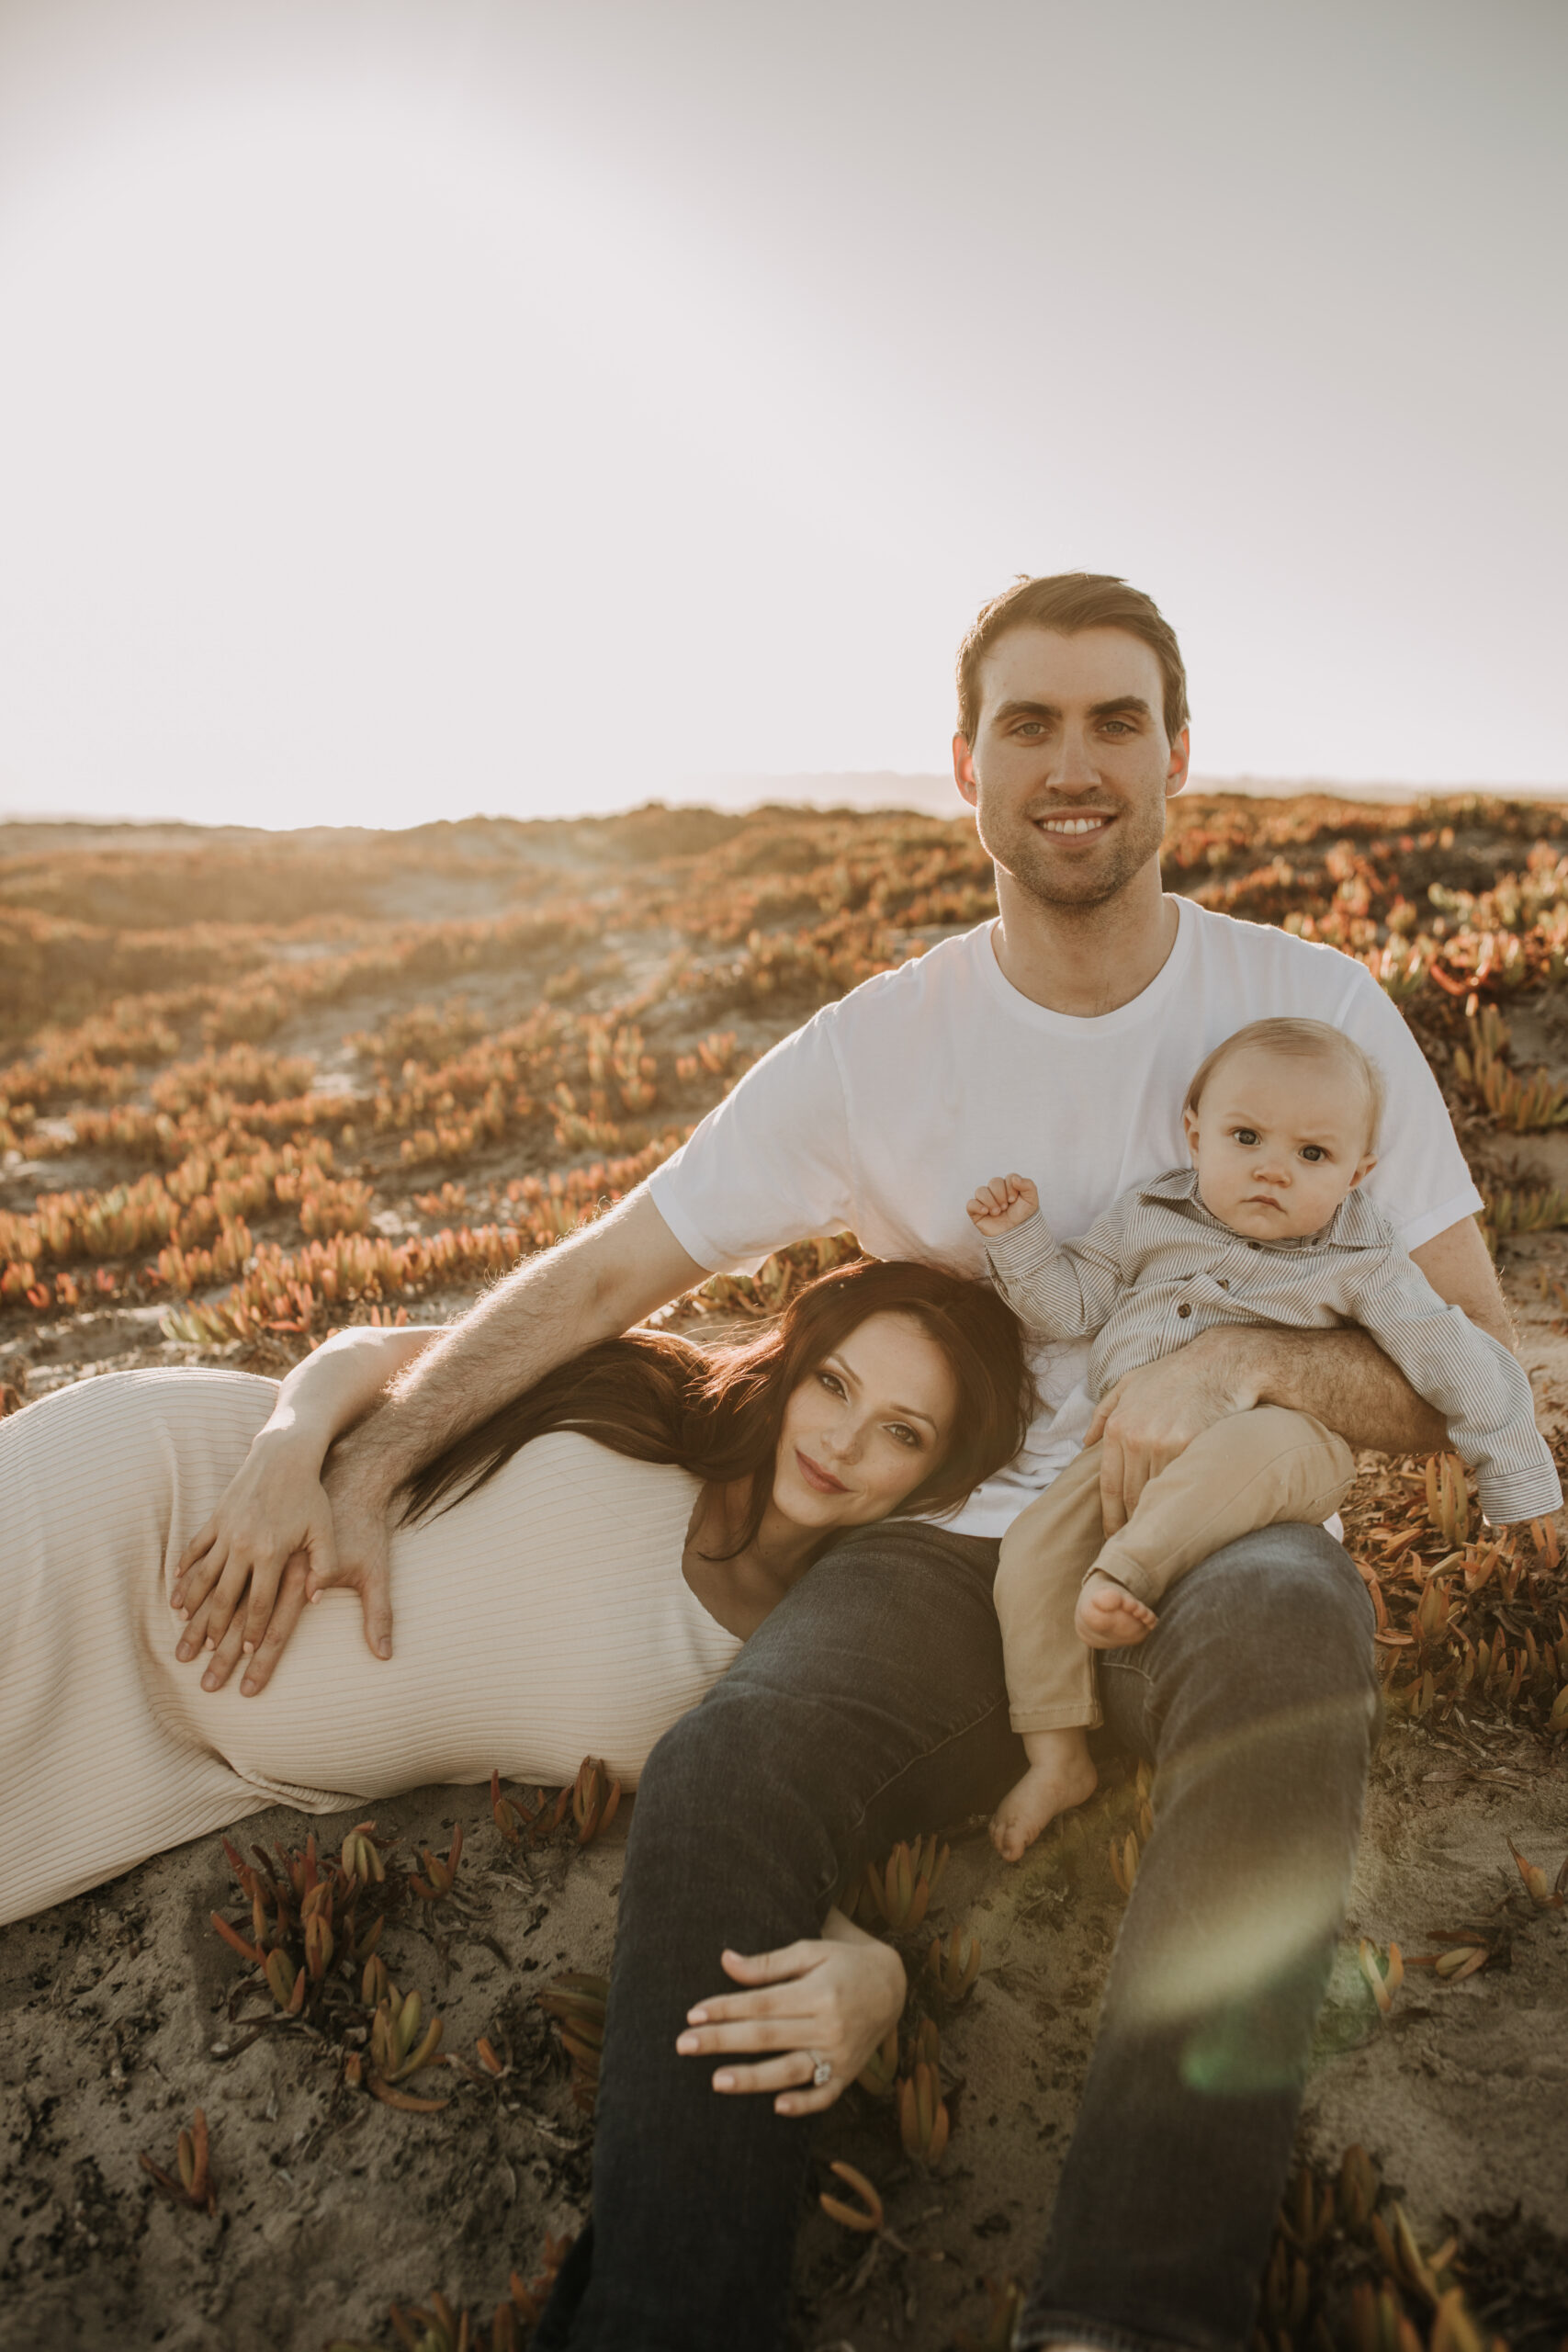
x=1084, y=820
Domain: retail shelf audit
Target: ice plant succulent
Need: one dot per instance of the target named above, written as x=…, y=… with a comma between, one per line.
x=1384, y=1976
x=867, y=2214
x=955, y=1966
x=192, y=2184
x=923, y=2121
x=902, y=1887
x=440, y=1871
x=400, y=2050
x=576, y=2003
x=594, y=1799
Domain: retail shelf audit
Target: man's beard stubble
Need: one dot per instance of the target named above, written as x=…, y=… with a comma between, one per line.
x=1023, y=853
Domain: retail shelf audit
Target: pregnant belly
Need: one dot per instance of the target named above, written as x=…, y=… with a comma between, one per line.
x=497, y=1664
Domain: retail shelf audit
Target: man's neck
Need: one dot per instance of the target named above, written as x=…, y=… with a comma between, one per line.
x=1085, y=960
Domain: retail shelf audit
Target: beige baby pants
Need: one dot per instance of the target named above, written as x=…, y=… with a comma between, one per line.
x=1243, y=1473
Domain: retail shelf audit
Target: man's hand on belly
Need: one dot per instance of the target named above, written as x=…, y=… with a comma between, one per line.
x=360, y=1562
x=1154, y=1414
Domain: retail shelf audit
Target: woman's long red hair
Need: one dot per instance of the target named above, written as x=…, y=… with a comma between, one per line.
x=718, y=1411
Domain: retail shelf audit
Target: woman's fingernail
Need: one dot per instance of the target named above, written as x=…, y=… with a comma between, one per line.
x=248, y=1647
x=696, y=2017
x=247, y=1689
x=688, y=2044
x=383, y=1647
x=724, y=2081
x=210, y=1682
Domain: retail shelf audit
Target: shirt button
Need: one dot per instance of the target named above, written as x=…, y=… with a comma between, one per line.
x=1255, y=1245
x=1184, y=1309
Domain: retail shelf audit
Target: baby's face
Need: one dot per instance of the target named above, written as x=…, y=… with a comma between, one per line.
x=1278, y=1141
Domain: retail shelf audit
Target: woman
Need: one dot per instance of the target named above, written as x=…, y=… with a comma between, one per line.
x=570, y=1577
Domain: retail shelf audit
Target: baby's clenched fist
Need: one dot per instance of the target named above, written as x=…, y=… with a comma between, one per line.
x=1003, y=1205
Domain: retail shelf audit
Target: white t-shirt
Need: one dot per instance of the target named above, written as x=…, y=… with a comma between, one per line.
x=884, y=1112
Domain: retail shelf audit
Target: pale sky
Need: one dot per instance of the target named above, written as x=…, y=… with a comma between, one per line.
x=412, y=407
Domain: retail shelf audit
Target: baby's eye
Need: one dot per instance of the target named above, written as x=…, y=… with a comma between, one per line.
x=1247, y=1137
x=1314, y=1151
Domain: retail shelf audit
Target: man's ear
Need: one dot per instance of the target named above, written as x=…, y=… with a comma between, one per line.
x=963, y=769
x=1190, y=1123
x=1364, y=1167
x=1180, y=756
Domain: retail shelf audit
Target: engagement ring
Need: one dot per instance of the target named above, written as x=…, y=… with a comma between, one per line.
x=821, y=2069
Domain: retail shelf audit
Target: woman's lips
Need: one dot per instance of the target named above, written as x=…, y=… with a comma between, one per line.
x=819, y=1478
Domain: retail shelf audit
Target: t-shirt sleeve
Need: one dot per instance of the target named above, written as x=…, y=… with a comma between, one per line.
x=1421, y=1181
x=770, y=1165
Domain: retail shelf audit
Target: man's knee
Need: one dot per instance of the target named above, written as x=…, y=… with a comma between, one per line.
x=1281, y=1614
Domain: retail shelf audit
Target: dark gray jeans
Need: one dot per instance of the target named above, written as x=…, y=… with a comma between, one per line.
x=871, y=1705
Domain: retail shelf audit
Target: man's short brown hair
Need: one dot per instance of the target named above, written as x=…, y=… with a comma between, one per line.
x=1069, y=602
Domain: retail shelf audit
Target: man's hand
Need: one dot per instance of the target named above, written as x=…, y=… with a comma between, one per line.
x=362, y=1515
x=358, y=1561
x=1154, y=1414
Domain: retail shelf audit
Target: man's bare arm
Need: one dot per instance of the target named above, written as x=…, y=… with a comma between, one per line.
x=1342, y=1378
x=602, y=1281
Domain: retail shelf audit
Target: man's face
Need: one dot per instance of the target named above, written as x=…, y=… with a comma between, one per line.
x=1072, y=768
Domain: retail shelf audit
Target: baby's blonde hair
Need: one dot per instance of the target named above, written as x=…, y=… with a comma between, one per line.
x=1305, y=1039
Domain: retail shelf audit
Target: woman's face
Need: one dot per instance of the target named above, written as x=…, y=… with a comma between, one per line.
x=866, y=1427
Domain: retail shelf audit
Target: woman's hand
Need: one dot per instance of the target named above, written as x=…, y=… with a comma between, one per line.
x=833, y=1999
x=231, y=1583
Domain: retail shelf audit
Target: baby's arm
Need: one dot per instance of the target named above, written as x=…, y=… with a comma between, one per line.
x=1064, y=1289
x=1481, y=1391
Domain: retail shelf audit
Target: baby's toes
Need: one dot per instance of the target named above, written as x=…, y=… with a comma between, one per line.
x=1005, y=1839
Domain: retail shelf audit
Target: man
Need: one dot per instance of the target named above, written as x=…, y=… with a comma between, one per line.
x=871, y=1704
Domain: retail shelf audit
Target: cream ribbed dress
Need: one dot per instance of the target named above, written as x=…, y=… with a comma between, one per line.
x=542, y=1619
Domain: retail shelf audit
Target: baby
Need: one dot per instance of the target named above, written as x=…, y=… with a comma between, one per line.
x=1267, y=1226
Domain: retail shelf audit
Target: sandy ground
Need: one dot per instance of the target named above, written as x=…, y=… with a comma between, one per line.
x=114, y=2025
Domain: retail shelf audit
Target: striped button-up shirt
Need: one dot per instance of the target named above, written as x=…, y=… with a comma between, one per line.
x=1156, y=1269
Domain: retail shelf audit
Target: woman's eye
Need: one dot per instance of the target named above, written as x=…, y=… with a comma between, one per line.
x=831, y=1382
x=902, y=1433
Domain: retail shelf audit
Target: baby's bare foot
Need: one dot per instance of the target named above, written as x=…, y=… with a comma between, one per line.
x=1046, y=1789
x=1108, y=1617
